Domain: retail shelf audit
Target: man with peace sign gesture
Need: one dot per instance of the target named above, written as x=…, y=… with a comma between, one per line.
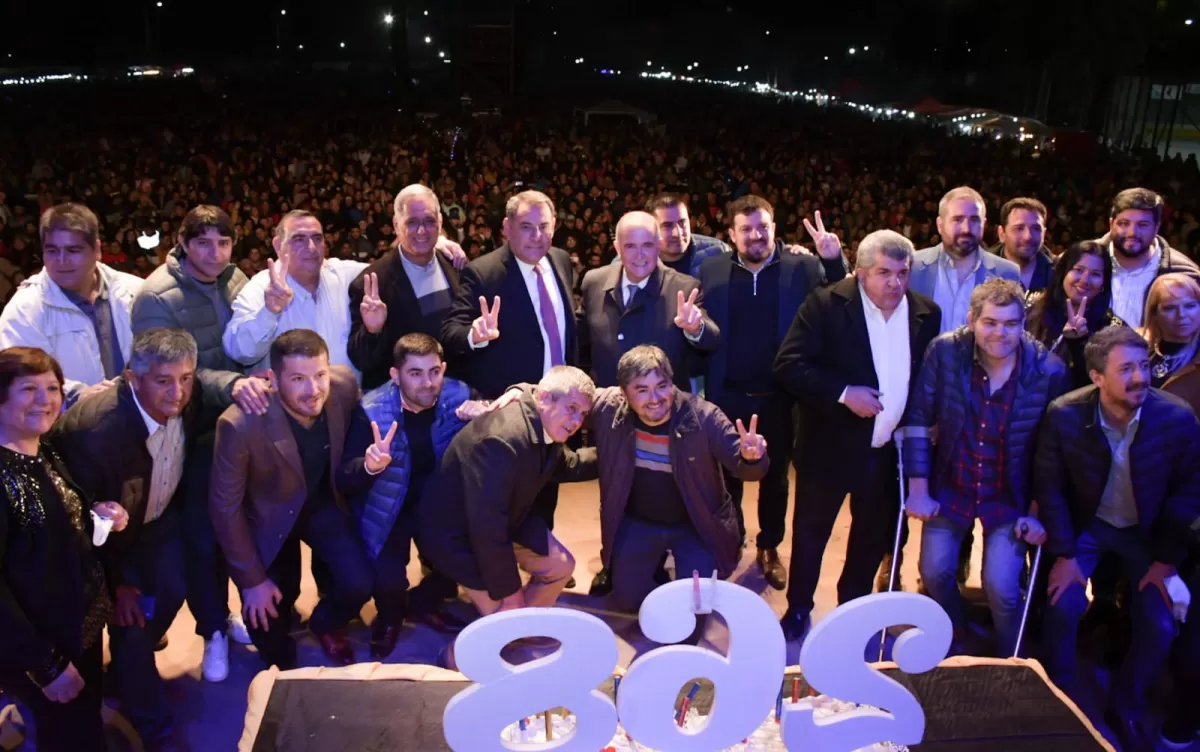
x=751, y=445
x=278, y=294
x=828, y=244
x=487, y=326
x=396, y=440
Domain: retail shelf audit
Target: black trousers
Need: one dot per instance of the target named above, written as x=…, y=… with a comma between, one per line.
x=393, y=599
x=331, y=534
x=776, y=424
x=205, y=566
x=74, y=726
x=874, y=504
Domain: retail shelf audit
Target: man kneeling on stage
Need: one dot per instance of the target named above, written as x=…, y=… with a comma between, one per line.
x=661, y=451
x=476, y=523
x=272, y=486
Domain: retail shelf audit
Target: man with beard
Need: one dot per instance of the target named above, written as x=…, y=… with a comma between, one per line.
x=396, y=440
x=272, y=487
x=950, y=270
x=985, y=387
x=1140, y=255
x=752, y=296
x=1022, y=226
x=849, y=359
x=681, y=249
x=1117, y=470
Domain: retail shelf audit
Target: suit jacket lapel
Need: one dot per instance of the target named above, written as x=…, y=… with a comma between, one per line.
x=279, y=433
x=787, y=298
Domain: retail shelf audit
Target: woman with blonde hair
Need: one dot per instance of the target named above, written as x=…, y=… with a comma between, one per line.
x=1173, y=331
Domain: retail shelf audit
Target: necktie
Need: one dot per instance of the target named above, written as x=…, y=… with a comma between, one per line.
x=630, y=291
x=549, y=320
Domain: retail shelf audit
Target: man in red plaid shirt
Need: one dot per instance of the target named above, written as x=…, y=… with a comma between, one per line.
x=985, y=386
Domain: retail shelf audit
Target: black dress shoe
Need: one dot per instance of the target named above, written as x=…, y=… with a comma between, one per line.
x=570, y=584
x=383, y=639
x=772, y=568
x=601, y=583
x=440, y=620
x=337, y=648
x=795, y=627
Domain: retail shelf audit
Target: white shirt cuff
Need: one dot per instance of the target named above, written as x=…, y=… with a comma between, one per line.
x=695, y=337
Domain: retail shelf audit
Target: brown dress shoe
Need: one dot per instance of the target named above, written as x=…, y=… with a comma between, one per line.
x=383, y=639
x=772, y=568
x=337, y=648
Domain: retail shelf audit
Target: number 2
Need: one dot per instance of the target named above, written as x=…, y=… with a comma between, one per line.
x=504, y=693
x=832, y=662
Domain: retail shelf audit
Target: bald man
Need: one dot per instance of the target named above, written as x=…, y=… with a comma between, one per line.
x=406, y=290
x=641, y=302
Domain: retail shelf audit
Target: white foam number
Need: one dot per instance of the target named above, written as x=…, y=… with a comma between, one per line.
x=504, y=693
x=832, y=662
x=746, y=681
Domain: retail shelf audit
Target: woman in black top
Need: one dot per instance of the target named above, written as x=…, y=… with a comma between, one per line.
x=53, y=598
x=1076, y=305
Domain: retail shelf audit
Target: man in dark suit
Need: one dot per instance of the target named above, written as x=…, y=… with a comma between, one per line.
x=272, y=486
x=641, y=302
x=1117, y=471
x=850, y=358
x=410, y=290
x=535, y=330
x=753, y=295
x=129, y=442
x=478, y=525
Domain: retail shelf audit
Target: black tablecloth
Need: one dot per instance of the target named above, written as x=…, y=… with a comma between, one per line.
x=968, y=709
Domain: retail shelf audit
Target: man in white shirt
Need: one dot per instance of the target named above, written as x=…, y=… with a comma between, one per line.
x=1139, y=254
x=300, y=289
x=76, y=308
x=850, y=359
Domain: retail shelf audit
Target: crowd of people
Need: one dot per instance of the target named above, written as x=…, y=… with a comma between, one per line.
x=366, y=388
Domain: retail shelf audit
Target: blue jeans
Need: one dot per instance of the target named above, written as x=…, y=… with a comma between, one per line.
x=1153, y=624
x=1003, y=564
x=637, y=550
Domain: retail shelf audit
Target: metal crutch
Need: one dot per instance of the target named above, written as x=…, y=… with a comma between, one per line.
x=898, y=439
x=1033, y=575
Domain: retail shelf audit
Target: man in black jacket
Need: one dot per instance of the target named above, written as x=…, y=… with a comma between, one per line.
x=1021, y=229
x=1117, y=470
x=849, y=358
x=129, y=443
x=753, y=295
x=408, y=290
x=985, y=388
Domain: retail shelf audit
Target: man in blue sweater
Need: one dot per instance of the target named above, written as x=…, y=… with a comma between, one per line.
x=395, y=443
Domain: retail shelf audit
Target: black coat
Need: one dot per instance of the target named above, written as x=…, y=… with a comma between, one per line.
x=799, y=275
x=372, y=353
x=940, y=396
x=102, y=440
x=42, y=565
x=828, y=349
x=1073, y=461
x=1043, y=267
x=480, y=501
x=517, y=356
x=608, y=329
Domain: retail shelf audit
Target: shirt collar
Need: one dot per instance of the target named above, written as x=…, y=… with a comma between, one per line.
x=1153, y=263
x=771, y=260
x=625, y=283
x=948, y=263
x=1137, y=416
x=101, y=292
x=873, y=310
x=152, y=425
x=405, y=406
x=527, y=267
x=414, y=265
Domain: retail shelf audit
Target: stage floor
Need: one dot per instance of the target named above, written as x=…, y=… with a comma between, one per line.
x=212, y=714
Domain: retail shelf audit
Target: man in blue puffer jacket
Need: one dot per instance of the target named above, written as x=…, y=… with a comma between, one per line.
x=395, y=443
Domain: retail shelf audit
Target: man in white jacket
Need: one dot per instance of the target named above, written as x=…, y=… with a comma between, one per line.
x=76, y=308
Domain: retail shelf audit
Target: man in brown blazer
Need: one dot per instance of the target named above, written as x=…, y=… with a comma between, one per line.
x=272, y=487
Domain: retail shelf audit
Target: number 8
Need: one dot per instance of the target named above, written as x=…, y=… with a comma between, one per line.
x=746, y=681
x=832, y=662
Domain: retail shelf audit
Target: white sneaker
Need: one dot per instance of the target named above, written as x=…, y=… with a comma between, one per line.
x=236, y=628
x=215, y=667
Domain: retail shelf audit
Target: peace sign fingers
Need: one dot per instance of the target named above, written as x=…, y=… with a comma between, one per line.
x=378, y=455
x=1083, y=307
x=371, y=288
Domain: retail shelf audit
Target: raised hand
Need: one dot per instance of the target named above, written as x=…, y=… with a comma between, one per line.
x=278, y=294
x=379, y=454
x=828, y=244
x=1076, y=325
x=753, y=445
x=372, y=309
x=688, y=315
x=486, y=327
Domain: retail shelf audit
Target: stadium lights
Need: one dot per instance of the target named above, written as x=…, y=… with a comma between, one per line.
x=427, y=13
x=866, y=48
x=852, y=50
x=342, y=45
x=441, y=53
x=388, y=19
x=826, y=57
x=428, y=40
x=283, y=12
x=1188, y=22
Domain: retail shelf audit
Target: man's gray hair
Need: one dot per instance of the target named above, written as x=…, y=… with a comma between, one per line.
x=887, y=243
x=161, y=345
x=528, y=198
x=416, y=190
x=962, y=193
x=642, y=360
x=561, y=380
x=284, y=226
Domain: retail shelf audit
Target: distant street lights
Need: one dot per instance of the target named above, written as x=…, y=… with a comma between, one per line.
x=388, y=19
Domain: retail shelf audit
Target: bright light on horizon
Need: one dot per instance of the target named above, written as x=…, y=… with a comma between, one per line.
x=388, y=19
